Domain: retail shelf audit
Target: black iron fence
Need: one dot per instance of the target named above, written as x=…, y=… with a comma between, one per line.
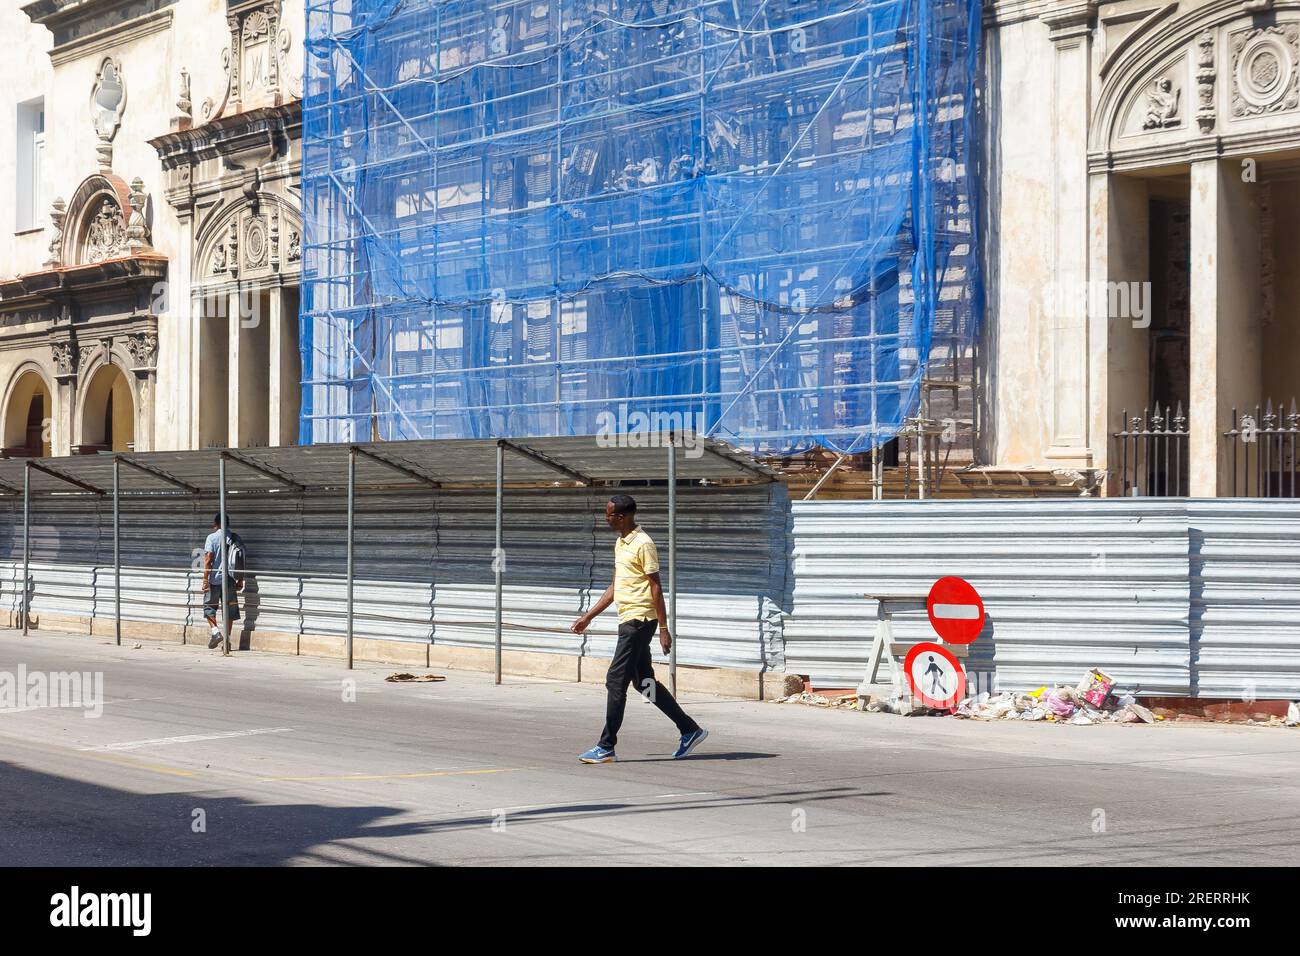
x=1263, y=452
x=1152, y=453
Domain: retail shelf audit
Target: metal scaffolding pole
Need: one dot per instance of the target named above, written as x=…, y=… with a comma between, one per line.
x=225, y=572
x=27, y=543
x=117, y=555
x=498, y=561
x=352, y=484
x=672, y=564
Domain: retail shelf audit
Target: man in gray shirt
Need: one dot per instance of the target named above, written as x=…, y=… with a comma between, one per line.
x=212, y=569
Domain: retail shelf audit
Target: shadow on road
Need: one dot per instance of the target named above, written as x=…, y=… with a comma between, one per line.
x=737, y=755
x=49, y=820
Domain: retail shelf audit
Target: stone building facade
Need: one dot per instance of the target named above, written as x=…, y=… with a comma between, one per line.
x=150, y=240
x=1141, y=185
x=1143, y=194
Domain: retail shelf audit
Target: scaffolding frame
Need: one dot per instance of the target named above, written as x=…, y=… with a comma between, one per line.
x=430, y=314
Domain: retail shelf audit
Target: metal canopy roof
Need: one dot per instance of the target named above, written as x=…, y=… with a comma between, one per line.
x=458, y=463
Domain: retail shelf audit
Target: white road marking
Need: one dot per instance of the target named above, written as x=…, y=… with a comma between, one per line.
x=189, y=739
x=957, y=612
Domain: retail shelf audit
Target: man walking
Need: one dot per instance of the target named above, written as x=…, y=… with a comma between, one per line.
x=640, y=596
x=213, y=567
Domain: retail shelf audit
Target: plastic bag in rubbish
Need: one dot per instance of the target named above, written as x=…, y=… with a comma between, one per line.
x=1058, y=705
x=1293, y=715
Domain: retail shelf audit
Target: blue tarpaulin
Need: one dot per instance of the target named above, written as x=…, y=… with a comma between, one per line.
x=754, y=218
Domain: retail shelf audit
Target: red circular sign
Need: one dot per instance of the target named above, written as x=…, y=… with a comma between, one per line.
x=935, y=676
x=956, y=611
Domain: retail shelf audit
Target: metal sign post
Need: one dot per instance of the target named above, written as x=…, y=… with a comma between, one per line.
x=27, y=543
x=352, y=484
x=498, y=562
x=117, y=555
x=672, y=563
x=225, y=576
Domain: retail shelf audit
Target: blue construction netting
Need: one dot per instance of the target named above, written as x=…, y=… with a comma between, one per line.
x=756, y=218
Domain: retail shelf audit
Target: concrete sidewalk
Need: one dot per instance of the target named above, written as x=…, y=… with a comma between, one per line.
x=259, y=759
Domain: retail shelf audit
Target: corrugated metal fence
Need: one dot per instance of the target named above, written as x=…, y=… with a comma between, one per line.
x=423, y=565
x=1172, y=596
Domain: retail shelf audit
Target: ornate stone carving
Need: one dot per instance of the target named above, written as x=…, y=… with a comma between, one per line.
x=210, y=110
x=58, y=215
x=107, y=101
x=232, y=247
x=1162, y=104
x=1266, y=70
x=295, y=246
x=219, y=259
x=137, y=230
x=1205, y=76
x=255, y=243
x=143, y=349
x=106, y=236
x=183, y=103
x=275, y=238
x=65, y=359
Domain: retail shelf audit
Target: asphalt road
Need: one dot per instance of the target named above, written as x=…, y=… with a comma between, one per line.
x=260, y=760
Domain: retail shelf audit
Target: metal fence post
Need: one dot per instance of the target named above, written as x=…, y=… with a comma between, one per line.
x=27, y=543
x=225, y=571
x=352, y=481
x=672, y=564
x=497, y=559
x=117, y=554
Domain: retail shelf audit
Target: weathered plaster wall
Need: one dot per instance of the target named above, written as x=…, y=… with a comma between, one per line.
x=193, y=39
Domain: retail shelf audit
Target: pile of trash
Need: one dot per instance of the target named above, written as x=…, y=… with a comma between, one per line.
x=1093, y=701
x=817, y=700
x=1064, y=705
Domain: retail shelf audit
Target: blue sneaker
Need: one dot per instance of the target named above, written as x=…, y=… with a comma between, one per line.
x=690, y=742
x=598, y=755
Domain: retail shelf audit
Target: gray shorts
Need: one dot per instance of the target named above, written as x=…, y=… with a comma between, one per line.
x=212, y=603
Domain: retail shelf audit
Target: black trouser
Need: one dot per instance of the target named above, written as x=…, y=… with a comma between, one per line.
x=631, y=664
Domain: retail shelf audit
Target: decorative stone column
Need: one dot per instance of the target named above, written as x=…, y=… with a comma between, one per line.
x=1068, y=87
x=142, y=347
x=66, y=361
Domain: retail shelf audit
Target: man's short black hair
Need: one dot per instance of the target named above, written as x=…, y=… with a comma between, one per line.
x=216, y=520
x=623, y=504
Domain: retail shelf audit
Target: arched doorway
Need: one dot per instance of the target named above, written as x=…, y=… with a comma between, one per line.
x=107, y=414
x=26, y=433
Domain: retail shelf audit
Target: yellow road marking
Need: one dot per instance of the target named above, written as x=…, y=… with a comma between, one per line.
x=107, y=758
x=124, y=762
x=390, y=776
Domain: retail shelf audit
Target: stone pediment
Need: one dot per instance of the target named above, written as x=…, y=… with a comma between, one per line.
x=1158, y=106
x=104, y=220
x=1187, y=85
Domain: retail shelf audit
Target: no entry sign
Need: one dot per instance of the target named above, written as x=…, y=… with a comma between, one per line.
x=956, y=611
x=935, y=676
